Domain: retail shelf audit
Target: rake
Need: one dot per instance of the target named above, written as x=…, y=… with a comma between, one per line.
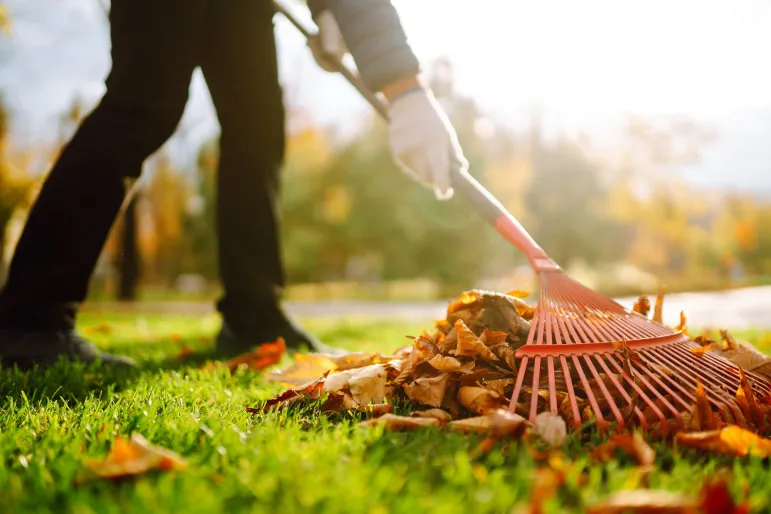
x=585, y=340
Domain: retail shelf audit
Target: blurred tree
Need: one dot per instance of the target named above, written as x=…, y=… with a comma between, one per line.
x=15, y=185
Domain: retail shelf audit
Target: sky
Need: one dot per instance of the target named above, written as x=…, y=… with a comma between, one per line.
x=587, y=63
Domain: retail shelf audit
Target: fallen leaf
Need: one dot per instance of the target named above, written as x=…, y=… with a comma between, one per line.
x=368, y=384
x=518, y=293
x=645, y=501
x=642, y=305
x=605, y=452
x=683, y=325
x=703, y=418
x=427, y=390
x=185, y=352
x=464, y=301
x=480, y=400
x=730, y=440
x=493, y=338
x=636, y=447
x=396, y=423
x=134, y=457
x=305, y=368
x=659, y=307
x=469, y=344
x=338, y=381
x=377, y=409
x=261, y=357
x=551, y=428
x=744, y=355
x=312, y=391
x=439, y=414
x=716, y=498
x=747, y=402
x=176, y=337
x=447, y=364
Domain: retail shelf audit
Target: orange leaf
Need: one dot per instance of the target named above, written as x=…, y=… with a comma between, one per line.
x=465, y=300
x=518, y=293
x=636, y=447
x=703, y=417
x=746, y=400
x=701, y=350
x=642, y=305
x=184, y=352
x=658, y=308
x=716, y=498
x=683, y=326
x=261, y=357
x=312, y=391
x=731, y=440
x=134, y=457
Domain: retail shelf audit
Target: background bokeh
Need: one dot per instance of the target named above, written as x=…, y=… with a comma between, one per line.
x=631, y=138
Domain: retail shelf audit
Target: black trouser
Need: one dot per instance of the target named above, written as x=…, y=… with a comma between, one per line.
x=156, y=45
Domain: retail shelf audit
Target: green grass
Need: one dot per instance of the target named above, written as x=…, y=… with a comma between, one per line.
x=283, y=462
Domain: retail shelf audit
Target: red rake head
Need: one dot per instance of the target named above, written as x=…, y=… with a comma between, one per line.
x=606, y=362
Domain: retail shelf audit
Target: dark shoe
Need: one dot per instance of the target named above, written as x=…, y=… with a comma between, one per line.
x=46, y=347
x=230, y=343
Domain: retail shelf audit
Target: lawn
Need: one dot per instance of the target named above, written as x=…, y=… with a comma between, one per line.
x=50, y=422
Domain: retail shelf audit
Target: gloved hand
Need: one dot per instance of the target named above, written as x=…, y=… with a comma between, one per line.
x=328, y=45
x=423, y=142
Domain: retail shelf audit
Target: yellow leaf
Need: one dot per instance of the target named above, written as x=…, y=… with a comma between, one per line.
x=731, y=440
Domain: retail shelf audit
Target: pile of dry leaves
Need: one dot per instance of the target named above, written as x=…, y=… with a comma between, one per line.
x=462, y=376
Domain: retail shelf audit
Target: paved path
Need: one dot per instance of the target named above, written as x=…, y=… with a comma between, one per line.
x=739, y=308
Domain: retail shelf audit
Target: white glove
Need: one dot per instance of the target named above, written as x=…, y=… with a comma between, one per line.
x=423, y=141
x=328, y=45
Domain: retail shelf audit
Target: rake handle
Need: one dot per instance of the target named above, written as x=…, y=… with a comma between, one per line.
x=483, y=201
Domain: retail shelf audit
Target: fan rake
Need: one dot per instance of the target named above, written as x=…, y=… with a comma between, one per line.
x=587, y=341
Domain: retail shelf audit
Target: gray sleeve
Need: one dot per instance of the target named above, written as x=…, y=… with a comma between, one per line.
x=375, y=37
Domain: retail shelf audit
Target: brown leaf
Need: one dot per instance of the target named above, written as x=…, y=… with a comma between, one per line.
x=447, y=364
x=497, y=425
x=439, y=414
x=604, y=452
x=185, y=352
x=427, y=390
x=645, y=501
x=731, y=440
x=703, y=418
x=744, y=355
x=642, y=305
x=493, y=338
x=551, y=428
x=377, y=409
x=636, y=447
x=480, y=400
x=368, y=384
x=747, y=402
x=312, y=391
x=469, y=344
x=134, y=457
x=396, y=423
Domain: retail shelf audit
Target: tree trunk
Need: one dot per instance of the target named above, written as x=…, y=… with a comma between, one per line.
x=129, y=259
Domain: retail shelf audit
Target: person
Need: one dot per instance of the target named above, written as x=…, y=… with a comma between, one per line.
x=155, y=47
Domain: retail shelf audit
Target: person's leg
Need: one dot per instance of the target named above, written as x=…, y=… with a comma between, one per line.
x=239, y=63
x=154, y=52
